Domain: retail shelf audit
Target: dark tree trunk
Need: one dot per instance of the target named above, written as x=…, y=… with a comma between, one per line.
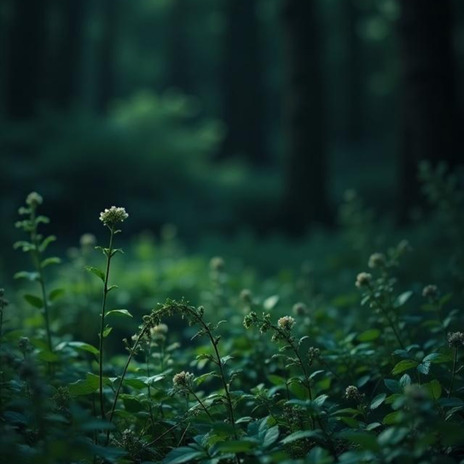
x=24, y=79
x=66, y=48
x=305, y=196
x=106, y=78
x=244, y=90
x=430, y=113
x=354, y=73
x=180, y=64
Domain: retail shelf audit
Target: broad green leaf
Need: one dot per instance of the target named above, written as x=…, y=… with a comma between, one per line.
x=85, y=387
x=365, y=439
x=378, y=400
x=392, y=385
x=118, y=312
x=270, y=302
x=83, y=347
x=46, y=262
x=32, y=276
x=34, y=301
x=402, y=299
x=46, y=355
x=271, y=436
x=55, y=294
x=183, y=454
x=437, y=358
x=393, y=418
x=404, y=365
x=96, y=271
x=424, y=368
x=301, y=434
x=236, y=446
x=369, y=335
x=434, y=388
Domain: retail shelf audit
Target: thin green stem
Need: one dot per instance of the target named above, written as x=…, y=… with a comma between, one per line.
x=124, y=372
x=453, y=373
x=36, y=256
x=109, y=253
x=395, y=330
x=201, y=403
x=219, y=363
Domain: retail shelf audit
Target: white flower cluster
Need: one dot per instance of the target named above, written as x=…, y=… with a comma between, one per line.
x=110, y=217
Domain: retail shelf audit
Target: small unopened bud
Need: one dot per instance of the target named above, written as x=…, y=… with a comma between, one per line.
x=217, y=264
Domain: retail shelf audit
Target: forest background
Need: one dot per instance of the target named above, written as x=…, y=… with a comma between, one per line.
x=224, y=118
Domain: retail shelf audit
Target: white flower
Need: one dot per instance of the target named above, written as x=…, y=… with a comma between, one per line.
x=110, y=217
x=34, y=199
x=286, y=322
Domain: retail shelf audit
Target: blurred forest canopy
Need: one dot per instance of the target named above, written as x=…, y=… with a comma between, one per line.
x=217, y=115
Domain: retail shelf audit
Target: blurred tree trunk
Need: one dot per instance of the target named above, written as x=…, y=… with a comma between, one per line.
x=430, y=113
x=106, y=76
x=305, y=196
x=244, y=99
x=25, y=58
x=179, y=53
x=354, y=73
x=65, y=56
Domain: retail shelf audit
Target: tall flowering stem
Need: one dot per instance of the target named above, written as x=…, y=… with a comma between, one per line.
x=35, y=247
x=110, y=218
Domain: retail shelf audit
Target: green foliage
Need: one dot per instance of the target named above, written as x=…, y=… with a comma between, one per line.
x=260, y=369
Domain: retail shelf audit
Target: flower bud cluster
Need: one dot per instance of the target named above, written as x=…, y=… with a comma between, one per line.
x=455, y=339
x=352, y=393
x=363, y=279
x=183, y=381
x=430, y=292
x=377, y=260
x=112, y=216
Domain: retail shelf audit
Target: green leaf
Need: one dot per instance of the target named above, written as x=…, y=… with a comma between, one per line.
x=96, y=271
x=83, y=347
x=111, y=287
x=393, y=418
x=182, y=454
x=118, y=312
x=107, y=331
x=34, y=301
x=236, y=446
x=271, y=436
x=378, y=400
x=32, y=276
x=48, y=261
x=437, y=358
x=271, y=302
x=55, y=294
x=402, y=299
x=434, y=388
x=300, y=435
x=424, y=368
x=43, y=246
x=85, y=387
x=366, y=440
x=48, y=356
x=392, y=385
x=369, y=335
x=404, y=365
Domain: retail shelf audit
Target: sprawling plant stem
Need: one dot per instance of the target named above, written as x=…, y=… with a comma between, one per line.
x=453, y=373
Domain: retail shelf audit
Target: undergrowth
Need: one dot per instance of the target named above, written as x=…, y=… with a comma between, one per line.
x=231, y=367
